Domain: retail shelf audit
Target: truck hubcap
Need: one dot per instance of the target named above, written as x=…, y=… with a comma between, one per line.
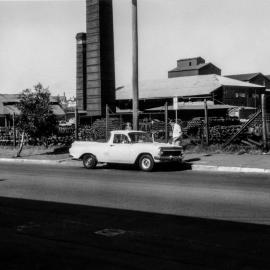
x=146, y=163
x=89, y=161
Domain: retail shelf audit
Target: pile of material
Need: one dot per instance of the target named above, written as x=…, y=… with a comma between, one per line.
x=98, y=129
x=219, y=134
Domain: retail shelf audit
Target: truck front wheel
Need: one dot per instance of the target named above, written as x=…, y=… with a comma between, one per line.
x=146, y=163
x=89, y=161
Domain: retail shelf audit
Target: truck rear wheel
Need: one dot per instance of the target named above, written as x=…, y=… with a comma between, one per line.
x=89, y=161
x=146, y=163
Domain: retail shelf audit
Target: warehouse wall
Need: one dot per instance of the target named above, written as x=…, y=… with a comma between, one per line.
x=242, y=96
x=174, y=74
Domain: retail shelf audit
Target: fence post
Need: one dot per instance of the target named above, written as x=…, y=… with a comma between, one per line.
x=14, y=131
x=206, y=125
x=76, y=123
x=121, y=121
x=263, y=101
x=166, y=121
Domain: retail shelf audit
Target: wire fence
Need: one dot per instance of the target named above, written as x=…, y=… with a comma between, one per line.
x=221, y=129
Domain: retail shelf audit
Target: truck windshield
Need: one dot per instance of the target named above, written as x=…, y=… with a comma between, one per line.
x=140, y=137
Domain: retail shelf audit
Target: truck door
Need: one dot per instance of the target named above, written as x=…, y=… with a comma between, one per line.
x=120, y=150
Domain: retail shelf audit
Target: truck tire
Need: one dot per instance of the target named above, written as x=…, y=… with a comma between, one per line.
x=89, y=161
x=146, y=163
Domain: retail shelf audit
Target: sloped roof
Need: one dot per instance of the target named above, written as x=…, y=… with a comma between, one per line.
x=181, y=87
x=8, y=105
x=243, y=77
x=57, y=110
x=10, y=109
x=9, y=97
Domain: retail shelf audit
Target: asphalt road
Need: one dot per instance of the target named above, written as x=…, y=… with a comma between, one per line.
x=236, y=197
x=71, y=218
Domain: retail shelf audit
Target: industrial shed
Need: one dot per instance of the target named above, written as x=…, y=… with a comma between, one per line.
x=8, y=107
x=219, y=89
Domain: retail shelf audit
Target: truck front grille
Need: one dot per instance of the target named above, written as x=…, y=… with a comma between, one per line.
x=171, y=152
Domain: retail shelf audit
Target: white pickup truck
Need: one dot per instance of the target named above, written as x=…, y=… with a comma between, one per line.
x=126, y=147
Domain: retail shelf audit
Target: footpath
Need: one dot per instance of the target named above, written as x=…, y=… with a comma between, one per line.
x=245, y=163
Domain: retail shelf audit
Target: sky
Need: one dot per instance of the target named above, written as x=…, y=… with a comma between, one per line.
x=38, y=39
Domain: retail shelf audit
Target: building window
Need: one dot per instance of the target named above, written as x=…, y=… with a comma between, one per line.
x=190, y=63
x=242, y=95
x=255, y=96
x=237, y=95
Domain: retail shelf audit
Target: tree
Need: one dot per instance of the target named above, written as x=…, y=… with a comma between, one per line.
x=36, y=119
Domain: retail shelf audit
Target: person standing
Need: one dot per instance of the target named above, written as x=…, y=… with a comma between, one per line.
x=176, y=133
x=128, y=126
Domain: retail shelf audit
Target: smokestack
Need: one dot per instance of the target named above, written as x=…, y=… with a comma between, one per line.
x=81, y=71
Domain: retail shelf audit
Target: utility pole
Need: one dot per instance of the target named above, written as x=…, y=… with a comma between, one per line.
x=76, y=122
x=206, y=124
x=135, y=69
x=107, y=123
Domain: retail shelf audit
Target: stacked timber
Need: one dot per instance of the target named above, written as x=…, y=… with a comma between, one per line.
x=219, y=134
x=98, y=129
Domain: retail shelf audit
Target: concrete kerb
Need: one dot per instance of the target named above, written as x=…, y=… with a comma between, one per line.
x=212, y=168
x=194, y=167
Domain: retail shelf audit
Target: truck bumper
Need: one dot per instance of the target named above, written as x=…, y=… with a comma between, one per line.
x=168, y=158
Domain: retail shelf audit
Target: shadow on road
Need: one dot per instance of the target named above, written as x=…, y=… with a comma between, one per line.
x=47, y=235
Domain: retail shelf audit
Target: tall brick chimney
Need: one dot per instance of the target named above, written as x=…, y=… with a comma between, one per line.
x=81, y=72
x=95, y=60
x=100, y=57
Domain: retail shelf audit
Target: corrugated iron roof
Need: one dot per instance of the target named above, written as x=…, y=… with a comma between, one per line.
x=10, y=109
x=57, y=110
x=9, y=97
x=181, y=87
x=243, y=77
x=8, y=105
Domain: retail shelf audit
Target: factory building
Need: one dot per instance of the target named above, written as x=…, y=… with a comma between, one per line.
x=193, y=66
x=219, y=89
x=256, y=78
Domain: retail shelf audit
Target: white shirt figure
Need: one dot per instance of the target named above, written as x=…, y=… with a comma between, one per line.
x=176, y=134
x=128, y=126
x=177, y=131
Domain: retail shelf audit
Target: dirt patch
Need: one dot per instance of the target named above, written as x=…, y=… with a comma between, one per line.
x=35, y=152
